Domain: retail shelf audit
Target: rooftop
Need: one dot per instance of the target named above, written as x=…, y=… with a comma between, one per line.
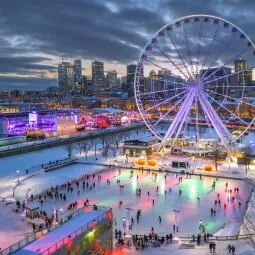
x=48, y=240
x=144, y=139
x=109, y=110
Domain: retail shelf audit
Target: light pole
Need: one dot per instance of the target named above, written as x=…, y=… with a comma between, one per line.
x=61, y=213
x=194, y=162
x=128, y=218
x=162, y=155
x=201, y=226
x=26, y=201
x=17, y=175
x=175, y=220
x=124, y=220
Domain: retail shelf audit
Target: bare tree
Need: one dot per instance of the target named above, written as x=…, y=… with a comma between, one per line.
x=78, y=146
x=86, y=145
x=114, y=143
x=115, y=140
x=69, y=148
x=216, y=159
x=105, y=141
x=248, y=152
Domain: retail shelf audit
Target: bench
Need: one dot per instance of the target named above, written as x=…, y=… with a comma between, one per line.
x=156, y=244
x=188, y=245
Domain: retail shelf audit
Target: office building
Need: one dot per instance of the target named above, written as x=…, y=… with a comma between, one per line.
x=98, y=77
x=243, y=72
x=131, y=69
x=112, y=80
x=69, y=75
x=77, y=67
x=65, y=77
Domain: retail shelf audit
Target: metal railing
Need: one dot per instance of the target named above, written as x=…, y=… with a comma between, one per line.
x=32, y=237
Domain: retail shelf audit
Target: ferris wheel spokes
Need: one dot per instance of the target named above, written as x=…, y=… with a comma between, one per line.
x=169, y=111
x=232, y=98
x=208, y=53
x=222, y=66
x=226, y=109
x=164, y=102
x=159, y=91
x=181, y=58
x=177, y=67
x=219, y=126
x=214, y=61
x=199, y=43
x=165, y=70
x=188, y=51
x=181, y=114
x=224, y=77
x=201, y=86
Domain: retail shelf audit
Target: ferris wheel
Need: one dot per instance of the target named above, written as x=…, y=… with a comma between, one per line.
x=193, y=81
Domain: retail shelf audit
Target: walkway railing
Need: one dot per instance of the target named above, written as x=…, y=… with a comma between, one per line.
x=32, y=237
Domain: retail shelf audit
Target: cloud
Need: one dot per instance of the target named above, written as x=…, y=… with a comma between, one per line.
x=34, y=37
x=26, y=83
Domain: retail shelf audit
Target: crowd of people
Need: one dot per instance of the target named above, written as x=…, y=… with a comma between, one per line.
x=89, y=182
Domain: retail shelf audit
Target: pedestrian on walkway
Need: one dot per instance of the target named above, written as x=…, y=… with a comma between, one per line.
x=229, y=248
x=233, y=249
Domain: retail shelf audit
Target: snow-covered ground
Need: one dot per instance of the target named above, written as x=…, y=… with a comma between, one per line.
x=191, y=209
x=15, y=227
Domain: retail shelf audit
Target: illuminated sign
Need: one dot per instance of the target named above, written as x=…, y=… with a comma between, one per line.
x=32, y=117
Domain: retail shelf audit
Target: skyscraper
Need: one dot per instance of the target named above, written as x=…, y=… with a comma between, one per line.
x=65, y=77
x=69, y=75
x=77, y=66
x=244, y=73
x=98, y=78
x=130, y=79
x=112, y=80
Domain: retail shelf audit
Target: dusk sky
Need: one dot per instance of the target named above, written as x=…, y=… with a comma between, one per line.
x=36, y=35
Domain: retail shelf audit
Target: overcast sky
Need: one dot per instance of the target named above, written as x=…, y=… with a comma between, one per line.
x=35, y=35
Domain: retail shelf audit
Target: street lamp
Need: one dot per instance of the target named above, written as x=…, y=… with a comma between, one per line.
x=26, y=201
x=61, y=213
x=124, y=220
x=201, y=226
x=17, y=174
x=194, y=162
x=175, y=220
x=128, y=218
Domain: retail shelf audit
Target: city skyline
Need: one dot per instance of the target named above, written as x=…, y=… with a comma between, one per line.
x=33, y=44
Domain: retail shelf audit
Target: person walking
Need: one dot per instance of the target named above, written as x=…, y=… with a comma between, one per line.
x=229, y=248
x=233, y=249
x=210, y=247
x=213, y=248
